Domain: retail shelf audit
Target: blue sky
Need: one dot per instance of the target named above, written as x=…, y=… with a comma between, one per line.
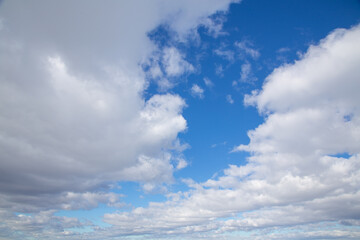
x=179, y=120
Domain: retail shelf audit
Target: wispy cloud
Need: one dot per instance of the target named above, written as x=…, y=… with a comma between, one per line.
x=197, y=91
x=229, y=99
x=208, y=82
x=246, y=48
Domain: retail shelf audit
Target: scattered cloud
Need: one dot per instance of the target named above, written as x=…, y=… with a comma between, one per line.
x=174, y=63
x=218, y=144
x=226, y=54
x=283, y=50
x=214, y=25
x=246, y=48
x=208, y=82
x=219, y=70
x=229, y=99
x=197, y=91
x=246, y=74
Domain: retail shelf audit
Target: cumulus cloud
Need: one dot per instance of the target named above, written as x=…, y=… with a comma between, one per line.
x=73, y=115
x=296, y=176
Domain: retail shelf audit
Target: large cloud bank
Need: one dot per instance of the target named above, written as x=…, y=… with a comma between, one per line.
x=73, y=113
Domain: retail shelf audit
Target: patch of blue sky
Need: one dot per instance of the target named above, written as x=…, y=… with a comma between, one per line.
x=341, y=155
x=93, y=215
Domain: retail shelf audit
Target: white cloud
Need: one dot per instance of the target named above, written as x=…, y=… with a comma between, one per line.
x=283, y=50
x=174, y=63
x=219, y=70
x=226, y=54
x=208, y=82
x=229, y=99
x=245, y=72
x=197, y=91
x=214, y=26
x=182, y=163
x=245, y=48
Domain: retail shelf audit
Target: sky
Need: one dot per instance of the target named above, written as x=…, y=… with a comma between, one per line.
x=179, y=119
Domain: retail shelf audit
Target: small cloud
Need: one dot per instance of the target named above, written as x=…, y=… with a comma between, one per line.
x=197, y=91
x=229, y=99
x=226, y=54
x=174, y=63
x=164, y=84
x=245, y=72
x=181, y=164
x=219, y=70
x=283, y=50
x=208, y=82
x=214, y=26
x=282, y=53
x=246, y=48
x=218, y=144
